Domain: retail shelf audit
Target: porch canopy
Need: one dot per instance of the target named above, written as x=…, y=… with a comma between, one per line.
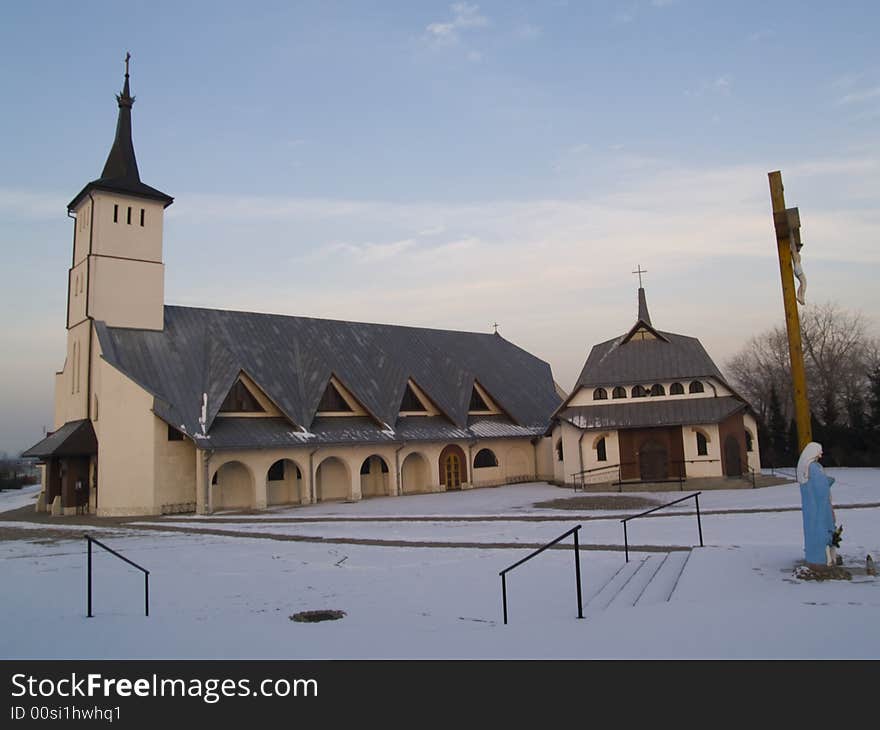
x=74, y=438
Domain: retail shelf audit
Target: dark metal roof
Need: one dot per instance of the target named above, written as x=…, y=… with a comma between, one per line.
x=120, y=173
x=620, y=362
x=292, y=358
x=74, y=438
x=684, y=411
x=269, y=433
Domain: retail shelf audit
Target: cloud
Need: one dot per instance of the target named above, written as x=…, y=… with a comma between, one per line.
x=527, y=31
x=465, y=16
x=720, y=85
x=857, y=97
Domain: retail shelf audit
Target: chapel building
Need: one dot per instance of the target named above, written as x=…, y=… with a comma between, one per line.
x=652, y=406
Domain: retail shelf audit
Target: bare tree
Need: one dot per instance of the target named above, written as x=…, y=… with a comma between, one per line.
x=838, y=357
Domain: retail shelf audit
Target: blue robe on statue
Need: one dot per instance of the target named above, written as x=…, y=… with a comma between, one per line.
x=818, y=517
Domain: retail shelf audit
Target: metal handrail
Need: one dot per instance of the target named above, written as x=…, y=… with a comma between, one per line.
x=681, y=478
x=146, y=572
x=582, y=472
x=577, y=569
x=695, y=496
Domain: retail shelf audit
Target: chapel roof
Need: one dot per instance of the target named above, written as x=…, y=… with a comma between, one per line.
x=291, y=359
x=630, y=359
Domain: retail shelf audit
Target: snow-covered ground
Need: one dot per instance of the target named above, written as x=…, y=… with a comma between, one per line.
x=231, y=595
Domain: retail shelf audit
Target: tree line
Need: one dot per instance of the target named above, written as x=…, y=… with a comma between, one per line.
x=842, y=363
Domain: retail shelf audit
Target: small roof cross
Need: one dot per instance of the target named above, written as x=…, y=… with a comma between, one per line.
x=639, y=270
x=495, y=325
x=127, y=57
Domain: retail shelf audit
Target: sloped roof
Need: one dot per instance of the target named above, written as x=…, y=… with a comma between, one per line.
x=683, y=412
x=621, y=362
x=292, y=358
x=74, y=438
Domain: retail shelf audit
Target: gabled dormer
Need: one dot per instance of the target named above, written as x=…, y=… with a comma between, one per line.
x=338, y=400
x=415, y=402
x=246, y=399
x=481, y=403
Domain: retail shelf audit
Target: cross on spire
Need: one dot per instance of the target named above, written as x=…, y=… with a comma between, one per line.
x=639, y=270
x=127, y=57
x=496, y=325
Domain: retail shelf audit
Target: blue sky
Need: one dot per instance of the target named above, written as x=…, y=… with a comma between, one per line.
x=448, y=164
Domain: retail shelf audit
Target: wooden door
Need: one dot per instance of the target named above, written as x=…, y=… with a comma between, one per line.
x=452, y=468
x=653, y=462
x=732, y=460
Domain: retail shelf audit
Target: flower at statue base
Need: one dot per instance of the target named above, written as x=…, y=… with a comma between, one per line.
x=835, y=537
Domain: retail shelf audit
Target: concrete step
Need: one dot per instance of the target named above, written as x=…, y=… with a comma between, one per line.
x=660, y=589
x=600, y=599
x=631, y=591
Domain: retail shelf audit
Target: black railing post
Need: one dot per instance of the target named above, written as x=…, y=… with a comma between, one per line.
x=146, y=593
x=699, y=524
x=577, y=572
x=504, y=595
x=625, y=543
x=89, y=591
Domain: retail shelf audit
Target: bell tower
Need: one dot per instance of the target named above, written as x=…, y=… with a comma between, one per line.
x=116, y=274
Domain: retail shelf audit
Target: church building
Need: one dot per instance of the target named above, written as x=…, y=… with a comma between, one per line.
x=652, y=406
x=165, y=409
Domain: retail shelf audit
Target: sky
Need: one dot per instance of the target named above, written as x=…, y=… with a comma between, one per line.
x=735, y=598
x=448, y=165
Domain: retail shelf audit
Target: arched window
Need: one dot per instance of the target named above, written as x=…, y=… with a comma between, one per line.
x=695, y=387
x=559, y=450
x=748, y=441
x=600, y=394
x=485, y=458
x=658, y=389
x=702, y=444
x=601, y=453
x=676, y=389
x=618, y=392
x=639, y=391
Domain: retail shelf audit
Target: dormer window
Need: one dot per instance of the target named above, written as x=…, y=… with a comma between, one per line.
x=411, y=401
x=657, y=389
x=618, y=392
x=332, y=401
x=696, y=387
x=639, y=391
x=600, y=394
x=240, y=400
x=676, y=389
x=477, y=403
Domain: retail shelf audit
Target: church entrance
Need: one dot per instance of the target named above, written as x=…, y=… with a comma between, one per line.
x=453, y=468
x=732, y=460
x=453, y=472
x=653, y=462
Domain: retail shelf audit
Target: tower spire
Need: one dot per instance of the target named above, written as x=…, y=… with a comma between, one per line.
x=121, y=163
x=120, y=173
x=643, y=303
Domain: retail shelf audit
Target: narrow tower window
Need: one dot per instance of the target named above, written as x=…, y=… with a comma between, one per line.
x=129, y=215
x=142, y=217
x=601, y=452
x=116, y=214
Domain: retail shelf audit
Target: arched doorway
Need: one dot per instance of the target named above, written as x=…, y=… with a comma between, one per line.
x=332, y=480
x=232, y=487
x=653, y=461
x=732, y=458
x=415, y=474
x=374, y=477
x=453, y=467
x=284, y=483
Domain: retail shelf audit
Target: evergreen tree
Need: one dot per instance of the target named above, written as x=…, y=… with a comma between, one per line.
x=778, y=438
